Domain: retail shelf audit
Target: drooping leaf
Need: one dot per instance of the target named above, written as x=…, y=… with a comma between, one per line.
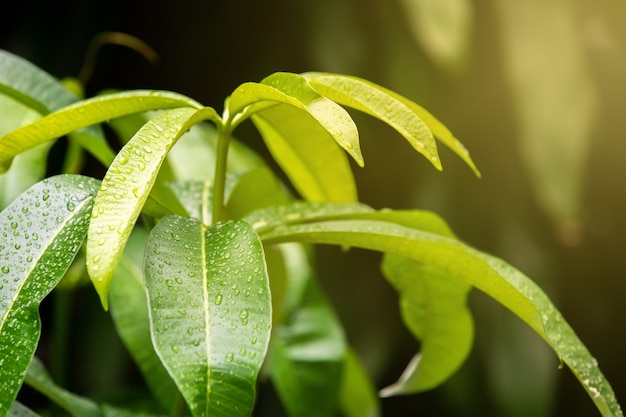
x=126, y=187
x=210, y=311
x=434, y=308
x=412, y=121
x=316, y=166
x=39, y=379
x=293, y=90
x=41, y=232
x=358, y=395
x=85, y=113
x=308, y=346
x=491, y=275
x=129, y=310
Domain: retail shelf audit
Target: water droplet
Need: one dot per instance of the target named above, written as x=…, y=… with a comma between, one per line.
x=71, y=206
x=230, y=357
x=169, y=282
x=175, y=236
x=24, y=209
x=13, y=225
x=5, y=269
x=175, y=349
x=254, y=340
x=218, y=299
x=227, y=255
x=18, y=246
x=179, y=281
x=243, y=314
x=136, y=192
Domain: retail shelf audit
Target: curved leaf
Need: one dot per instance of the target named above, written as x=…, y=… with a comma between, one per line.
x=20, y=410
x=491, y=275
x=434, y=308
x=316, y=166
x=308, y=346
x=30, y=85
x=126, y=187
x=41, y=232
x=411, y=120
x=210, y=311
x=293, y=90
x=129, y=311
x=358, y=395
x=86, y=113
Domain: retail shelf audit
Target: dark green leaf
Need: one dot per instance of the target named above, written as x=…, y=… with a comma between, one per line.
x=41, y=232
x=210, y=311
x=308, y=346
x=129, y=310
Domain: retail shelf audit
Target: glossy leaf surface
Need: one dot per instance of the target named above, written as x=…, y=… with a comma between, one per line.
x=411, y=120
x=125, y=189
x=210, y=311
x=86, y=113
x=491, y=275
x=41, y=232
x=434, y=308
x=308, y=346
x=316, y=166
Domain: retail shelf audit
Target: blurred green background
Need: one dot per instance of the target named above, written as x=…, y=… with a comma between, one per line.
x=534, y=89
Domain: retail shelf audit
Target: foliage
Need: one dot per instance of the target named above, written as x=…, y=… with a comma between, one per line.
x=205, y=258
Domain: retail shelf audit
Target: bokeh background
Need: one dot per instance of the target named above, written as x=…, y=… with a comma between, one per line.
x=535, y=90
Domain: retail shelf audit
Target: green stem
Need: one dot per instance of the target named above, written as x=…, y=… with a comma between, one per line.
x=219, y=180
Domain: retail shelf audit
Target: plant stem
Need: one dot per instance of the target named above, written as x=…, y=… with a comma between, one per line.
x=219, y=179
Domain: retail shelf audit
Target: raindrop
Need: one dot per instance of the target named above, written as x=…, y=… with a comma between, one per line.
x=13, y=225
x=24, y=209
x=254, y=340
x=175, y=349
x=5, y=269
x=71, y=206
x=175, y=236
x=169, y=283
x=230, y=357
x=218, y=299
x=18, y=246
x=179, y=281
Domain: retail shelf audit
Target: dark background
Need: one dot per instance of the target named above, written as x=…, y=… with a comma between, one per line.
x=207, y=48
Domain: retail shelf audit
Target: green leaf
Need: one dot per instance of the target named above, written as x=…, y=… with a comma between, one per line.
x=126, y=187
x=86, y=113
x=411, y=120
x=434, y=308
x=210, y=311
x=491, y=275
x=316, y=166
x=129, y=311
x=41, y=232
x=32, y=86
x=38, y=378
x=358, y=395
x=294, y=90
x=308, y=347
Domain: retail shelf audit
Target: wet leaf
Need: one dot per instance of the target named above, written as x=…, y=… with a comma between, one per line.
x=491, y=275
x=210, y=311
x=125, y=189
x=412, y=121
x=42, y=231
x=85, y=113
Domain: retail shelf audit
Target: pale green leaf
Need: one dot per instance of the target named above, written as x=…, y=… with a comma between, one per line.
x=41, y=232
x=358, y=396
x=412, y=121
x=39, y=379
x=316, y=166
x=85, y=113
x=293, y=90
x=491, y=275
x=442, y=28
x=308, y=346
x=129, y=311
x=434, y=308
x=125, y=189
x=20, y=410
x=210, y=311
